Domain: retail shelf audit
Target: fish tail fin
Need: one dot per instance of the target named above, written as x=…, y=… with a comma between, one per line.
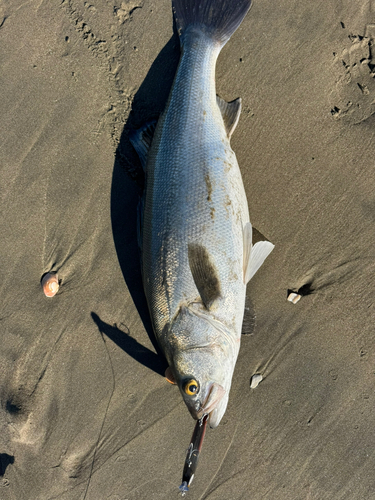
x=218, y=18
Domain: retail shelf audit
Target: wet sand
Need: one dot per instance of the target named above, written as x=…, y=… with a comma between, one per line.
x=85, y=410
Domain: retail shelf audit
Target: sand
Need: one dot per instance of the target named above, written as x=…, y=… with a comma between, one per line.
x=85, y=410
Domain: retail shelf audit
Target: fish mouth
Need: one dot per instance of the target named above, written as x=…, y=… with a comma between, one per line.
x=215, y=396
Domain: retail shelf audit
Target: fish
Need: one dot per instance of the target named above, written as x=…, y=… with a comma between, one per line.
x=195, y=233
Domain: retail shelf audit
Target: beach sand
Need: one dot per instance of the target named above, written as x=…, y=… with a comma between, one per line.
x=85, y=410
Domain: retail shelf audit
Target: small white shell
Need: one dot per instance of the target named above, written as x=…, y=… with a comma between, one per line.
x=294, y=297
x=255, y=380
x=50, y=284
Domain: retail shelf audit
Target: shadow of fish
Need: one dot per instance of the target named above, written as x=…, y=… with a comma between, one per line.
x=196, y=237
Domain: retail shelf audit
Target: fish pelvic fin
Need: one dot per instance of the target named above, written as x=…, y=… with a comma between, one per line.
x=218, y=18
x=141, y=140
x=254, y=255
x=230, y=111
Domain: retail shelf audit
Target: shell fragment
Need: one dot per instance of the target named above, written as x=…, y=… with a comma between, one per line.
x=255, y=380
x=294, y=297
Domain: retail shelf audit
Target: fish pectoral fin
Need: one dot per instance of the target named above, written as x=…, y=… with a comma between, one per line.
x=230, y=111
x=204, y=273
x=254, y=255
x=141, y=140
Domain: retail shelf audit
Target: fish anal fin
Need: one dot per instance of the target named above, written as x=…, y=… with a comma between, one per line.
x=254, y=255
x=230, y=111
x=141, y=140
x=204, y=274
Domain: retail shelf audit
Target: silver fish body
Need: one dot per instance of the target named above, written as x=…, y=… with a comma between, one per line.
x=195, y=232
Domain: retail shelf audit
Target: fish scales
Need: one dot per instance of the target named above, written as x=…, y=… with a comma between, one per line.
x=196, y=241
x=190, y=147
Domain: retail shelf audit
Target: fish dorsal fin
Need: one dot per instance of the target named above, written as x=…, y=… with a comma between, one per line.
x=141, y=140
x=230, y=111
x=204, y=274
x=253, y=255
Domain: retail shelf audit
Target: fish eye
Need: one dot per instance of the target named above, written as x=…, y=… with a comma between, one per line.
x=191, y=387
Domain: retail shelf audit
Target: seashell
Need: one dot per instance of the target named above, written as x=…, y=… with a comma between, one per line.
x=256, y=380
x=294, y=297
x=50, y=284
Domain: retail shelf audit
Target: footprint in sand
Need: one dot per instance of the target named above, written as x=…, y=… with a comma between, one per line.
x=126, y=10
x=353, y=98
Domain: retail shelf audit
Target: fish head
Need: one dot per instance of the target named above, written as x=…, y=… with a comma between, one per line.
x=202, y=363
x=202, y=385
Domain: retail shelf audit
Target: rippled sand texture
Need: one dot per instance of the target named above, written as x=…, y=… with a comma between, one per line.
x=85, y=410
